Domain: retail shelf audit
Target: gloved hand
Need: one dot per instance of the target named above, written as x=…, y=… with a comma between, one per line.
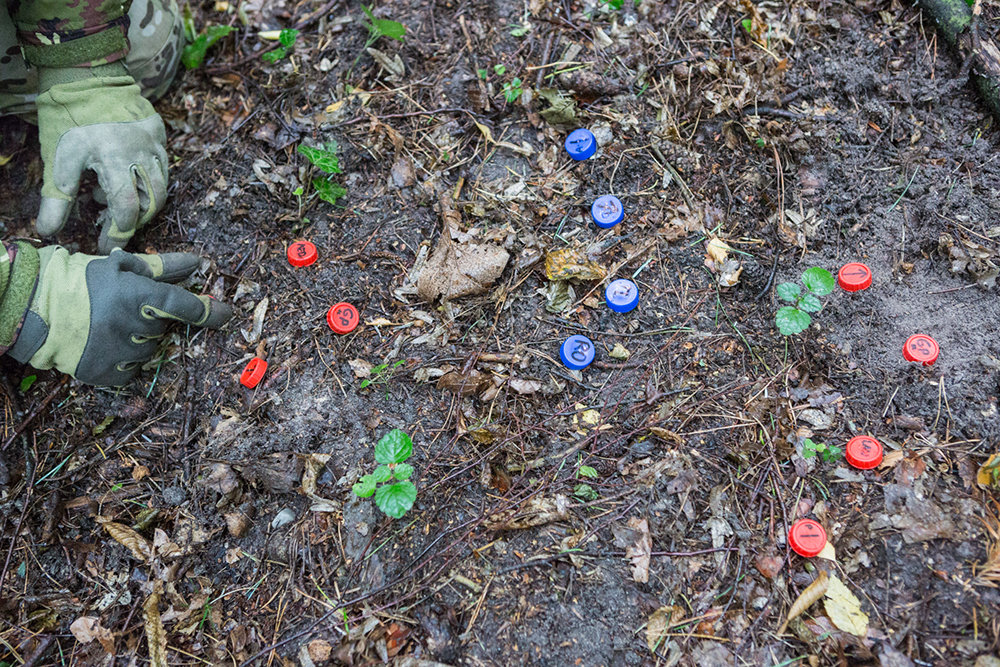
x=95, y=118
x=98, y=318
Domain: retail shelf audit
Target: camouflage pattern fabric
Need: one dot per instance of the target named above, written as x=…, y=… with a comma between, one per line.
x=155, y=33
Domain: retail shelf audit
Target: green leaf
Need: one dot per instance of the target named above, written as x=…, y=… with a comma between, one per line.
x=287, y=36
x=365, y=383
x=747, y=24
x=324, y=159
x=382, y=474
x=483, y=73
x=368, y=12
x=585, y=491
x=818, y=281
x=512, y=91
x=810, y=304
x=614, y=4
x=27, y=381
x=193, y=54
x=328, y=191
x=587, y=471
x=365, y=486
x=791, y=321
x=391, y=29
x=500, y=70
x=808, y=453
x=520, y=30
x=396, y=499
x=394, y=447
x=788, y=291
x=402, y=471
x=274, y=56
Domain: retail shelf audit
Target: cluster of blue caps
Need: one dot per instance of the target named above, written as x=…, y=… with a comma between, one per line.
x=622, y=295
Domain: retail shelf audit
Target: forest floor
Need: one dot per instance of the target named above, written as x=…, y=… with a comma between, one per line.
x=632, y=513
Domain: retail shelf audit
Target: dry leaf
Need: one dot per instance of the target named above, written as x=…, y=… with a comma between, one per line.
x=221, y=478
x=462, y=384
x=639, y=552
x=659, y=622
x=844, y=609
x=88, y=628
x=156, y=637
x=360, y=367
x=314, y=464
x=140, y=472
x=620, y=352
x=811, y=594
x=128, y=538
x=827, y=552
x=717, y=250
x=525, y=387
x=538, y=511
x=989, y=472
x=572, y=264
x=319, y=650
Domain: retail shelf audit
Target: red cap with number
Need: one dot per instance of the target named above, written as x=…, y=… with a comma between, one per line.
x=342, y=317
x=854, y=277
x=253, y=373
x=921, y=348
x=806, y=537
x=302, y=253
x=863, y=451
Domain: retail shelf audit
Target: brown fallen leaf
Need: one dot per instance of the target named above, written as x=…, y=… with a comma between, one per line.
x=461, y=267
x=572, y=264
x=659, y=622
x=538, y=511
x=463, y=384
x=639, y=552
x=221, y=478
x=525, y=387
x=319, y=650
x=811, y=594
x=156, y=636
x=844, y=609
x=88, y=628
x=128, y=538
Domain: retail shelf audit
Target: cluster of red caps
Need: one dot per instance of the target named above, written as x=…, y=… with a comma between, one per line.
x=806, y=536
x=342, y=317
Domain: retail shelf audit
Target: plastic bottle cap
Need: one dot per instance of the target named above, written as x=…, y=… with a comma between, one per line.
x=607, y=211
x=253, y=373
x=921, y=348
x=342, y=317
x=806, y=537
x=302, y=253
x=581, y=144
x=577, y=352
x=622, y=295
x=854, y=277
x=863, y=451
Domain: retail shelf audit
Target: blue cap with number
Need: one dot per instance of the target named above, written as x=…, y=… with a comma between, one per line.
x=622, y=295
x=581, y=144
x=577, y=352
x=607, y=211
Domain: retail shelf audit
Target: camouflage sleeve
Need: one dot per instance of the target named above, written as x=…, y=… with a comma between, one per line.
x=71, y=33
x=18, y=274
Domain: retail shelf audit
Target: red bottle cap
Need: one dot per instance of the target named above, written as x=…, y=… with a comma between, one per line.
x=921, y=348
x=863, y=451
x=854, y=277
x=342, y=318
x=253, y=373
x=302, y=253
x=806, y=537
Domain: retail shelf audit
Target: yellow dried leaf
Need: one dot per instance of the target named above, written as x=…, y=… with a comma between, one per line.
x=128, y=538
x=572, y=264
x=844, y=609
x=4, y=159
x=620, y=352
x=827, y=552
x=811, y=594
x=156, y=636
x=718, y=251
x=659, y=622
x=989, y=472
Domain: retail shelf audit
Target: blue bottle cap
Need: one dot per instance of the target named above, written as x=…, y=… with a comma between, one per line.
x=622, y=295
x=581, y=144
x=577, y=352
x=607, y=211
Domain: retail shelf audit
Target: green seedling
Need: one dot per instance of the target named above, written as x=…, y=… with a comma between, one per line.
x=521, y=30
x=382, y=375
x=26, y=382
x=483, y=73
x=512, y=90
x=378, y=28
x=499, y=70
x=287, y=39
x=614, y=4
x=795, y=318
x=581, y=490
x=193, y=54
x=325, y=159
x=390, y=482
x=828, y=452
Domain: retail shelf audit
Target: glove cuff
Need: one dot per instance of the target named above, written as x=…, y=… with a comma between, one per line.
x=54, y=76
x=104, y=43
x=19, y=266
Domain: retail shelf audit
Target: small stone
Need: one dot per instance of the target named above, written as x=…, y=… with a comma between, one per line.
x=282, y=518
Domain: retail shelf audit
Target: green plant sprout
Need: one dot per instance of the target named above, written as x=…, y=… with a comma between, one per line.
x=512, y=90
x=795, y=318
x=828, y=452
x=585, y=491
x=499, y=70
x=390, y=482
x=287, y=39
x=193, y=54
x=378, y=28
x=614, y=4
x=325, y=159
x=382, y=374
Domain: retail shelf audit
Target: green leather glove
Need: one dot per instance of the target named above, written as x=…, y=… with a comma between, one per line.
x=98, y=318
x=95, y=118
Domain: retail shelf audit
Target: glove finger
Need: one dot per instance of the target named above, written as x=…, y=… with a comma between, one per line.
x=170, y=267
x=119, y=183
x=52, y=215
x=152, y=191
x=60, y=183
x=169, y=302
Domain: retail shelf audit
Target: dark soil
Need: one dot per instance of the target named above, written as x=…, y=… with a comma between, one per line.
x=885, y=157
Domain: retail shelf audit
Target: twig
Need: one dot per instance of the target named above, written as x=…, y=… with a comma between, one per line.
x=34, y=413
